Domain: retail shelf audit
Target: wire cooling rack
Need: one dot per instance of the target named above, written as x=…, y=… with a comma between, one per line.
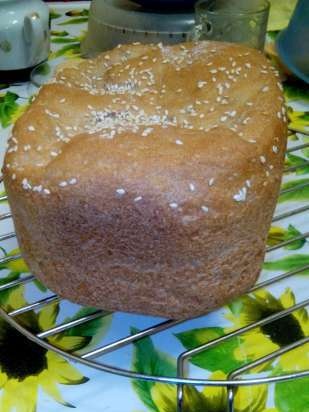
x=233, y=380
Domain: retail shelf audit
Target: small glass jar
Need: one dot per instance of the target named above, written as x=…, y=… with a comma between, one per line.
x=236, y=21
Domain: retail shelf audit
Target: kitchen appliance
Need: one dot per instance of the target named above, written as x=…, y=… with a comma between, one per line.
x=112, y=22
x=24, y=37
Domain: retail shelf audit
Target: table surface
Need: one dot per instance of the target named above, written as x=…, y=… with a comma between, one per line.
x=33, y=379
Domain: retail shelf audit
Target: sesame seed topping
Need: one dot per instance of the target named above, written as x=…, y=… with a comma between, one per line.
x=179, y=142
x=46, y=191
x=263, y=159
x=13, y=176
x=201, y=84
x=192, y=187
x=241, y=195
x=73, y=181
x=51, y=114
x=147, y=131
x=279, y=115
x=120, y=191
x=211, y=181
x=275, y=149
x=138, y=198
x=25, y=184
x=223, y=118
x=173, y=205
x=248, y=183
x=63, y=184
x=213, y=71
x=31, y=128
x=204, y=209
x=265, y=89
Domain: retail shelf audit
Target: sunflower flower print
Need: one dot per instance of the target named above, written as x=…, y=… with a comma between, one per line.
x=158, y=397
x=27, y=368
x=272, y=336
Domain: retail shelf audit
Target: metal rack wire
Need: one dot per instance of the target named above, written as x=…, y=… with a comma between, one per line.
x=233, y=380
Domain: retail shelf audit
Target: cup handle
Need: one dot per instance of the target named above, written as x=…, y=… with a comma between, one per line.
x=195, y=33
x=34, y=36
x=200, y=31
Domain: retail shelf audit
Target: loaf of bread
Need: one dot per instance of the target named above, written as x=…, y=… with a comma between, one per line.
x=145, y=179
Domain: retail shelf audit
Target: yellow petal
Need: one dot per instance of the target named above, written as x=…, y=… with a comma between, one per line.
x=48, y=315
x=50, y=388
x=287, y=298
x=64, y=372
x=251, y=398
x=19, y=396
x=18, y=265
x=70, y=343
x=216, y=395
x=164, y=397
x=296, y=360
x=15, y=299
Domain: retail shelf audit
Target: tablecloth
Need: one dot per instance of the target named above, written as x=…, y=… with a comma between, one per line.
x=34, y=379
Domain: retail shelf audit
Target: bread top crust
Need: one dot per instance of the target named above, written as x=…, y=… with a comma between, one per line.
x=196, y=128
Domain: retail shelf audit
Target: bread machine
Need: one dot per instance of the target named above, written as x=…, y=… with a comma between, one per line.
x=112, y=22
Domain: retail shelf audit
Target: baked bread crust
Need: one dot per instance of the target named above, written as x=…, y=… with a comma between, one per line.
x=145, y=179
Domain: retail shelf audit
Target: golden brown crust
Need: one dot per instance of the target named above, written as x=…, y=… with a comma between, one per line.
x=145, y=180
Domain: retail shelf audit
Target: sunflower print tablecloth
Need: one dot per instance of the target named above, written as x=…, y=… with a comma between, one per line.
x=34, y=379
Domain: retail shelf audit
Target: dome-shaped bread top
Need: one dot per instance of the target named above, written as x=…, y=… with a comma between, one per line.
x=181, y=124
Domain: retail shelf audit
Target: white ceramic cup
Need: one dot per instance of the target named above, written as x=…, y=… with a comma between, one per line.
x=24, y=34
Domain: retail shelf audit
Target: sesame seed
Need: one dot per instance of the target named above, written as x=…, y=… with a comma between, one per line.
x=263, y=159
x=73, y=181
x=223, y=118
x=49, y=113
x=201, y=84
x=192, y=187
x=249, y=103
x=179, y=142
x=252, y=141
x=173, y=205
x=232, y=113
x=54, y=154
x=211, y=181
x=214, y=79
x=63, y=184
x=62, y=100
x=279, y=115
x=13, y=176
x=120, y=191
x=248, y=65
x=248, y=183
x=147, y=131
x=31, y=128
x=265, y=89
x=204, y=209
x=138, y=198
x=25, y=184
x=213, y=71
x=275, y=149
x=46, y=191
x=241, y=195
